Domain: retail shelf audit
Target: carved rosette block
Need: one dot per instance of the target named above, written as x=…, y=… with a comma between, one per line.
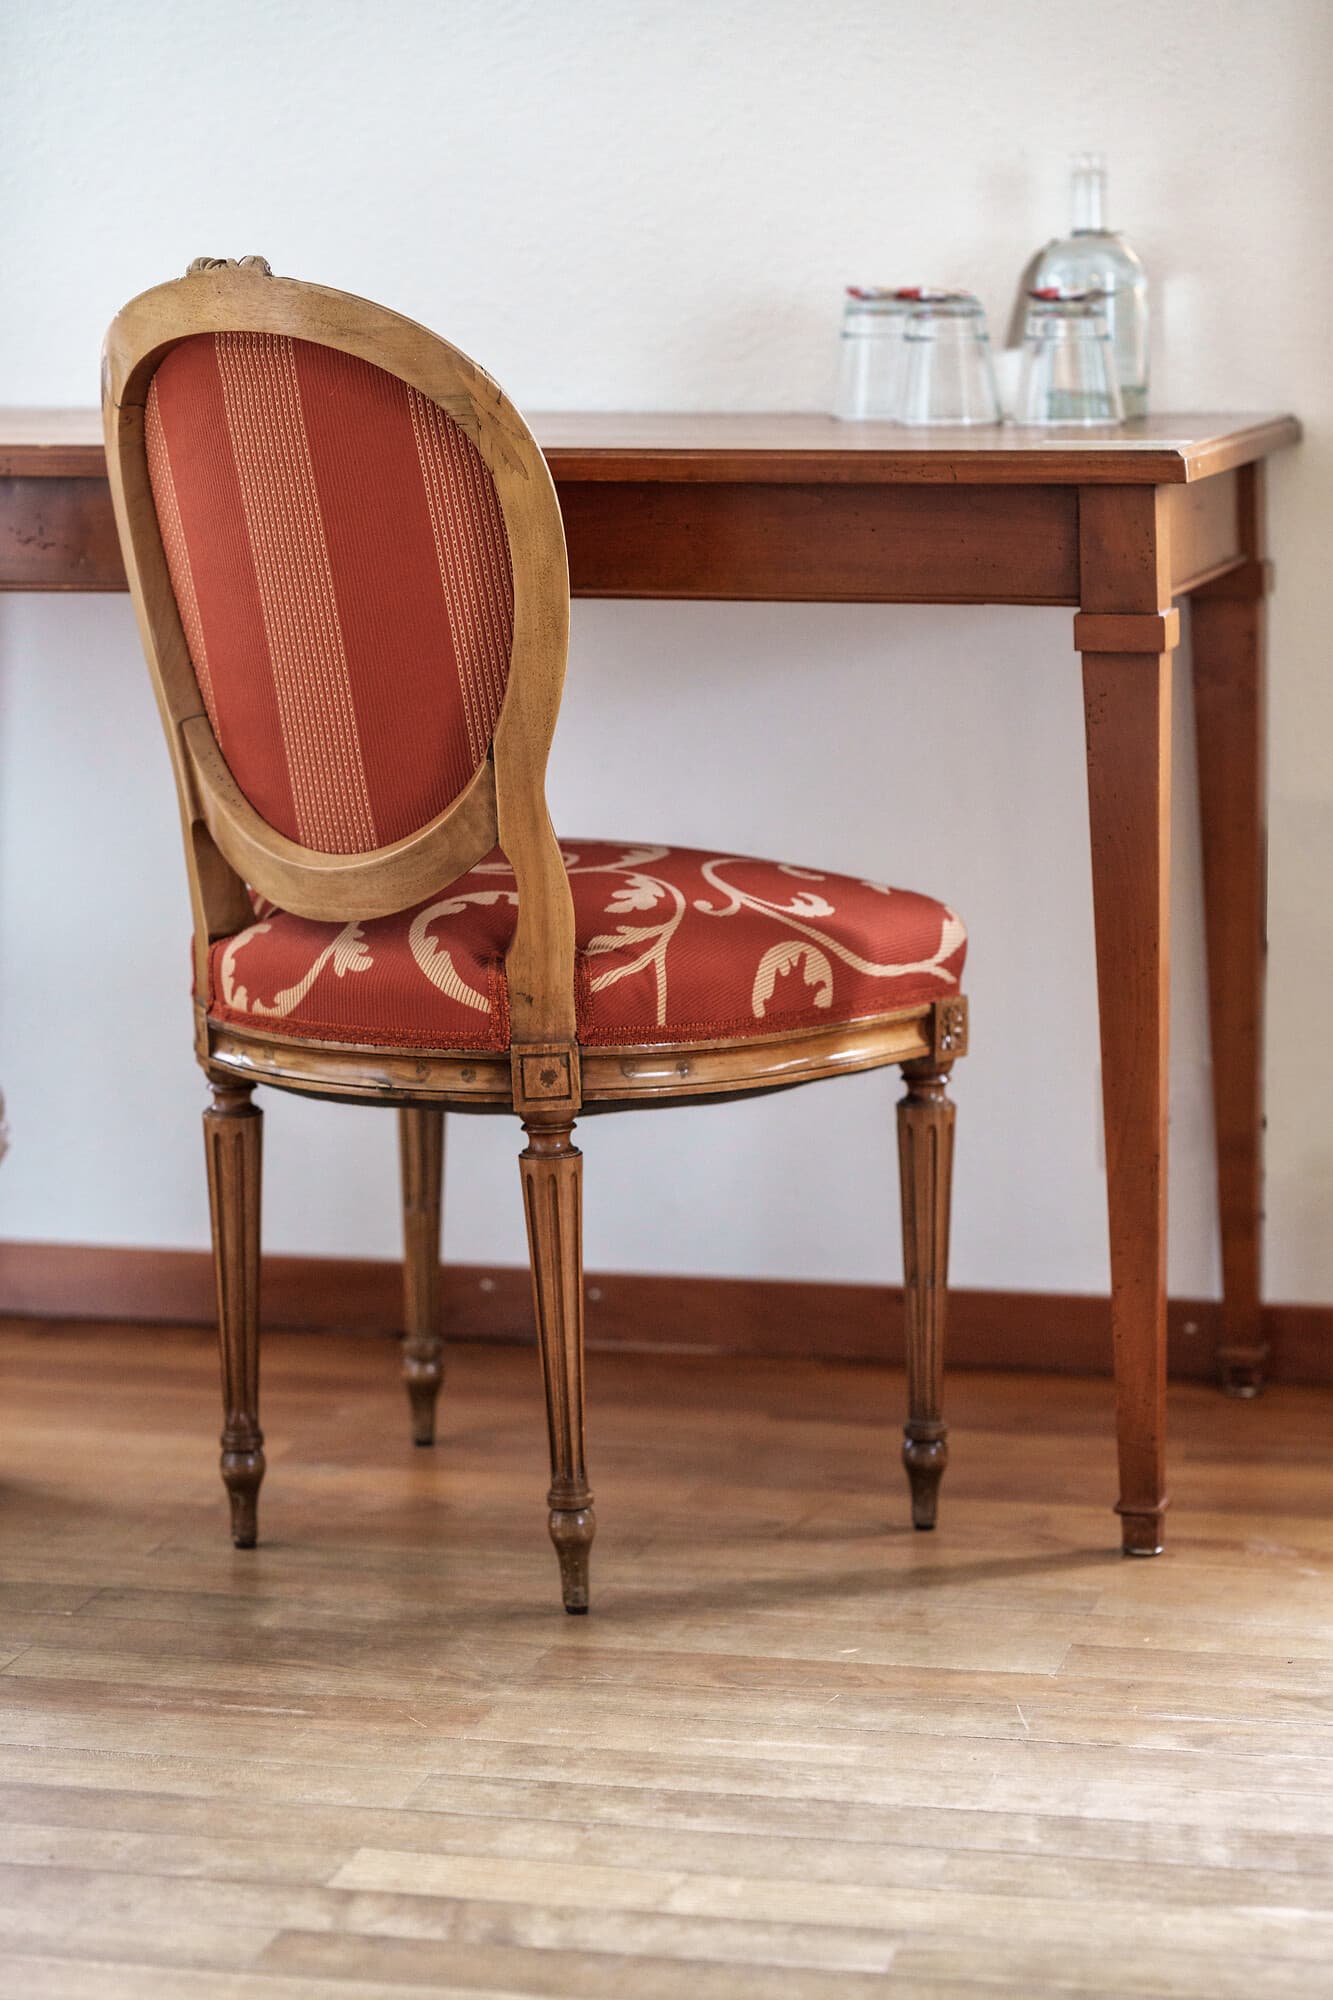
x=925, y=1155
x=260, y=265
x=421, y=1156
x=233, y=1138
x=949, y=1029
x=552, y=1170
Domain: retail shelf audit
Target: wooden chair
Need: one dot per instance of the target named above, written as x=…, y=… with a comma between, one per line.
x=348, y=566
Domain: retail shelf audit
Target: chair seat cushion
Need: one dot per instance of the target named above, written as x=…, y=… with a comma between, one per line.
x=675, y=944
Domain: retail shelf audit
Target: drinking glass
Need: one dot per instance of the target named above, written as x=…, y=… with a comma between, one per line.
x=1068, y=373
x=871, y=351
x=948, y=373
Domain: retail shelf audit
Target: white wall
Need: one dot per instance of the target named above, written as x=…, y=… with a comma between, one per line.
x=618, y=204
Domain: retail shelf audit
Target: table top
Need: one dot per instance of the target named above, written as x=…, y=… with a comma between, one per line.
x=786, y=448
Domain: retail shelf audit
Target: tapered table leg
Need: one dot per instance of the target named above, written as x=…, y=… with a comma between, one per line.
x=1228, y=621
x=1126, y=637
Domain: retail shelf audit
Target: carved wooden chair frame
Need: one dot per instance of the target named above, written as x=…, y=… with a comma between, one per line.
x=545, y=1078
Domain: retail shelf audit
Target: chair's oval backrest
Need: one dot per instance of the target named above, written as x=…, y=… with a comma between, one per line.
x=347, y=560
x=342, y=572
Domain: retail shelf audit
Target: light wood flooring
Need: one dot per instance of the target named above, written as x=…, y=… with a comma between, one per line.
x=796, y=1752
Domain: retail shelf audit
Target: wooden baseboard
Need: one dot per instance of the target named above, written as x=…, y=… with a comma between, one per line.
x=1065, y=1332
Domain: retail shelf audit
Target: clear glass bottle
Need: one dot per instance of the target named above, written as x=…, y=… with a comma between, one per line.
x=1093, y=258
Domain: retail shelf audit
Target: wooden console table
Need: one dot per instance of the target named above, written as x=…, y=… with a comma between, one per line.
x=1118, y=526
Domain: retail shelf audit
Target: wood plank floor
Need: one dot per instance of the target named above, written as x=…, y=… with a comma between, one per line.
x=796, y=1753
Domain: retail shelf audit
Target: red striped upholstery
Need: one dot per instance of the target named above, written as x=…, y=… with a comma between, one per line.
x=674, y=945
x=342, y=573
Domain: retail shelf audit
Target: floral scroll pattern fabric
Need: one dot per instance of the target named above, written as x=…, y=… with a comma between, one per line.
x=674, y=945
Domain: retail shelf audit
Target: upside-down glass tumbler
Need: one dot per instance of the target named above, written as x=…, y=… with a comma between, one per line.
x=871, y=352
x=948, y=372
x=1068, y=373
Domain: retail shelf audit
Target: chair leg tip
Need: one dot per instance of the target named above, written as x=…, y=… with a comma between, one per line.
x=925, y=1459
x=422, y=1395
x=242, y=1475
x=424, y=1443
x=572, y=1530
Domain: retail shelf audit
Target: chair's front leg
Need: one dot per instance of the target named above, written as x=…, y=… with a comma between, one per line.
x=925, y=1155
x=233, y=1137
x=421, y=1155
x=552, y=1170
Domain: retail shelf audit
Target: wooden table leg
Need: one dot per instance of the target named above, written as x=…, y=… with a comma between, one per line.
x=1126, y=632
x=1230, y=708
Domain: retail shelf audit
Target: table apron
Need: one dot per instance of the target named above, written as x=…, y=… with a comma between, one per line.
x=824, y=543
x=58, y=534
x=779, y=543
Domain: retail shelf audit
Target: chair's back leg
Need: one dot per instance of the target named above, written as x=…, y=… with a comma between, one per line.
x=925, y=1154
x=233, y=1136
x=552, y=1170
x=421, y=1152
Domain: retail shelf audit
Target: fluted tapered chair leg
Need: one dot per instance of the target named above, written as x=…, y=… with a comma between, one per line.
x=925, y=1154
x=552, y=1170
x=233, y=1136
x=421, y=1153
